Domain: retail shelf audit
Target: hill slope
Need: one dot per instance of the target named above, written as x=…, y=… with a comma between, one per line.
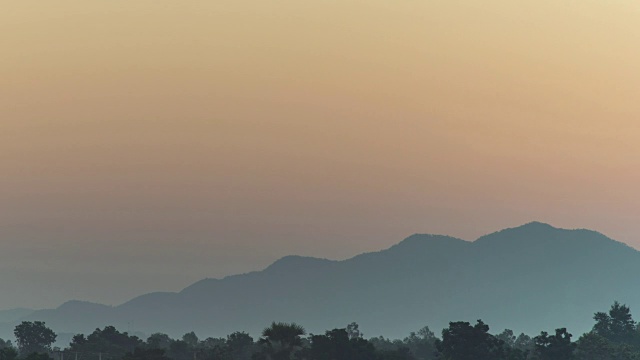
x=530, y=278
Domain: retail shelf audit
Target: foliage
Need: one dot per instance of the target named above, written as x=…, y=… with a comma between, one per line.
x=8, y=353
x=38, y=356
x=523, y=343
x=615, y=336
x=384, y=344
x=191, y=339
x=146, y=354
x=5, y=344
x=108, y=340
x=617, y=325
x=240, y=346
x=338, y=344
x=461, y=341
x=554, y=347
x=421, y=345
x=281, y=341
x=592, y=346
x=353, y=331
x=159, y=341
x=34, y=337
x=507, y=338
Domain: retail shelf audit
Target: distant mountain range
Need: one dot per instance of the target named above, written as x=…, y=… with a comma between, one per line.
x=14, y=314
x=530, y=278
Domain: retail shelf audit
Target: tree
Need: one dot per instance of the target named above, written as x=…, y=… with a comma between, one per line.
x=398, y=354
x=281, y=341
x=592, y=346
x=507, y=337
x=353, y=330
x=240, y=345
x=382, y=344
x=515, y=347
x=159, y=341
x=5, y=344
x=8, y=353
x=191, y=339
x=617, y=325
x=421, y=344
x=179, y=350
x=338, y=345
x=554, y=347
x=146, y=354
x=107, y=340
x=523, y=343
x=461, y=341
x=216, y=349
x=37, y=356
x=34, y=337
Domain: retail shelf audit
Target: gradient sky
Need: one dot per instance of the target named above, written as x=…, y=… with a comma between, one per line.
x=147, y=144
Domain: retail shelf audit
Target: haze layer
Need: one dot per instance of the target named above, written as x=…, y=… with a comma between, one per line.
x=147, y=144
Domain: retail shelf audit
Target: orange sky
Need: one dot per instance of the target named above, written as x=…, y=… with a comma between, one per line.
x=202, y=138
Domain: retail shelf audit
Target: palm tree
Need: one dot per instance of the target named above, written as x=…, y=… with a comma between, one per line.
x=282, y=340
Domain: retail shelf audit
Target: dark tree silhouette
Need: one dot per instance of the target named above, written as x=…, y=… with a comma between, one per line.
x=554, y=347
x=461, y=341
x=353, y=330
x=108, y=340
x=592, y=346
x=508, y=338
x=191, y=339
x=281, y=341
x=37, y=356
x=8, y=353
x=286, y=341
x=34, y=337
x=240, y=345
x=338, y=345
x=617, y=325
x=523, y=343
x=159, y=341
x=146, y=354
x=421, y=344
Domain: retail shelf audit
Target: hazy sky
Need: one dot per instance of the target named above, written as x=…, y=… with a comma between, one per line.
x=147, y=144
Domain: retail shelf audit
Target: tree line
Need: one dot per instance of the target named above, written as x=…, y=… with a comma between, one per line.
x=615, y=336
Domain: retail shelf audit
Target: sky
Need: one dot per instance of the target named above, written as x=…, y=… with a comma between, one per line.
x=147, y=144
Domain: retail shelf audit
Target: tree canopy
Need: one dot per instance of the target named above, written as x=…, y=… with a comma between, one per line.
x=34, y=337
x=615, y=336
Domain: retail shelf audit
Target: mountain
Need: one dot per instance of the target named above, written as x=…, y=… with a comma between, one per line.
x=14, y=314
x=529, y=278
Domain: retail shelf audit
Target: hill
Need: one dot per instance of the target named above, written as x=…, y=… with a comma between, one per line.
x=12, y=315
x=530, y=278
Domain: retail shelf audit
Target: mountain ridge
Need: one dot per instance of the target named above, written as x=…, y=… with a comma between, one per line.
x=528, y=278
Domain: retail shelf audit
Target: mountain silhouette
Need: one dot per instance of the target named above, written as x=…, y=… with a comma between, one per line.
x=14, y=314
x=529, y=278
